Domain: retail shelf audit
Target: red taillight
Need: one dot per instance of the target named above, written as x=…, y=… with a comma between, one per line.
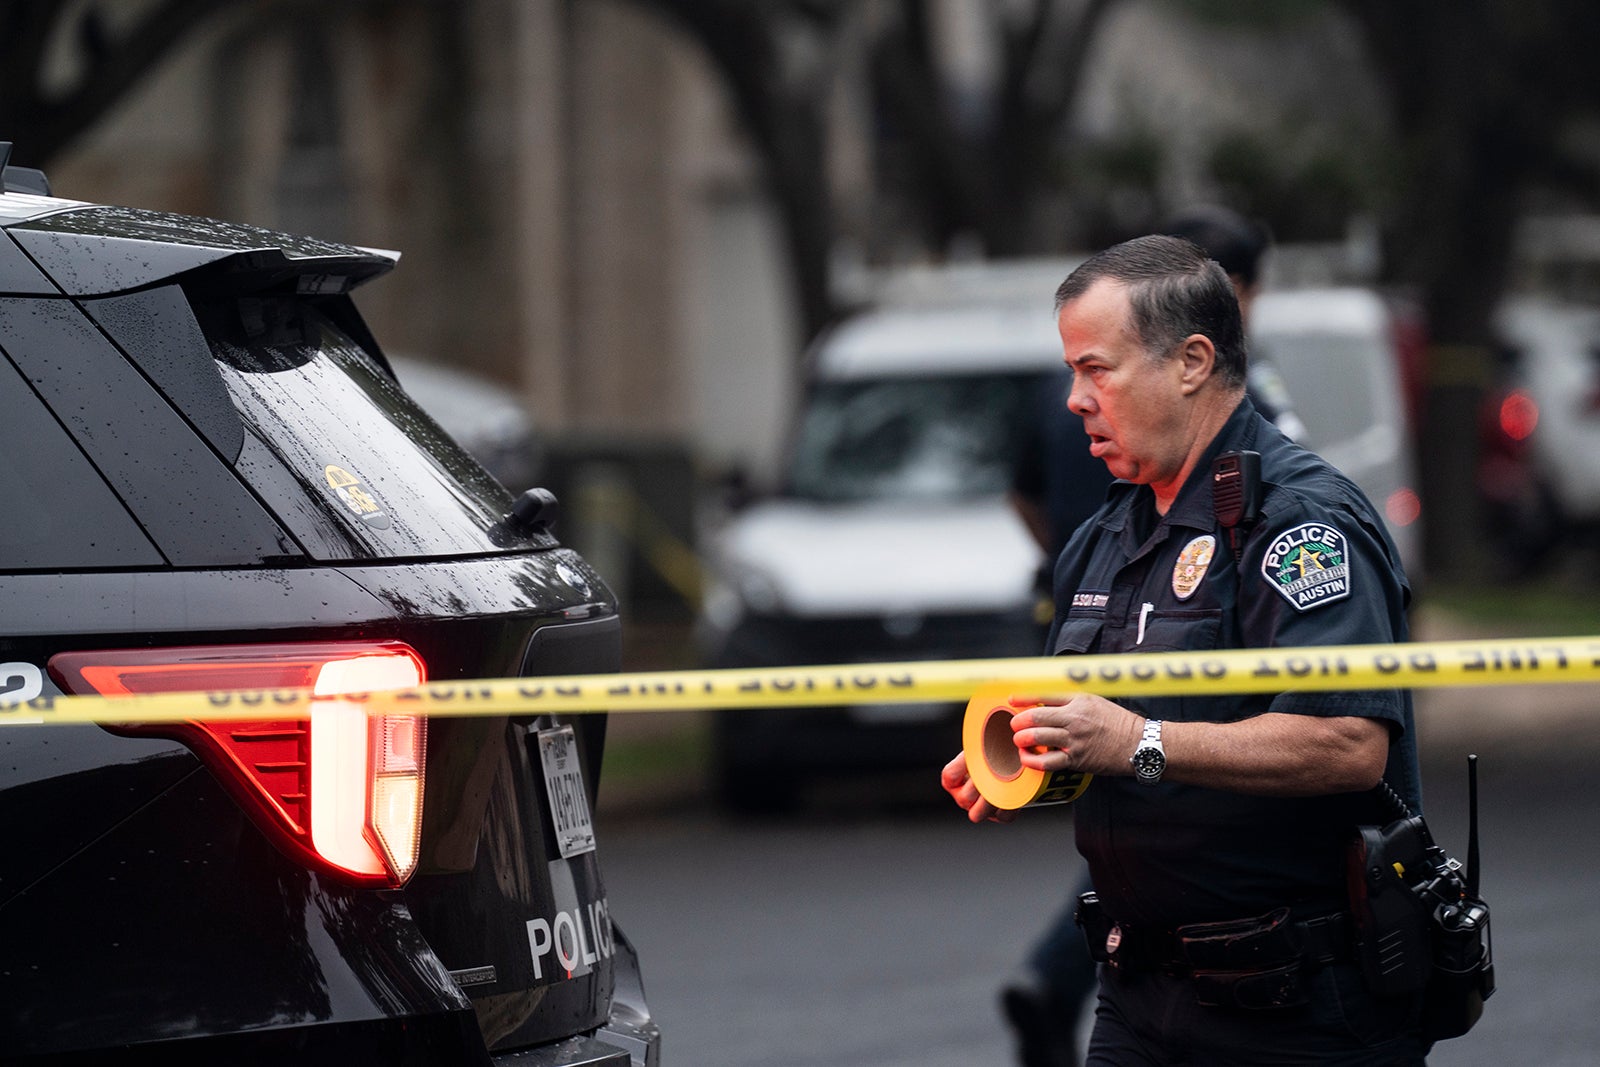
x=343, y=790
x=1519, y=415
x=1403, y=507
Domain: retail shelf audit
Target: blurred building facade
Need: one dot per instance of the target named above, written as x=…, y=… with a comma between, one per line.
x=581, y=216
x=576, y=215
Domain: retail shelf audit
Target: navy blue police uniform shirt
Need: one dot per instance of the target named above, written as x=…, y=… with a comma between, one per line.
x=1317, y=568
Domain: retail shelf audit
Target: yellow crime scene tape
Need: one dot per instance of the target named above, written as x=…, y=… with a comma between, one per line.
x=1410, y=666
x=987, y=685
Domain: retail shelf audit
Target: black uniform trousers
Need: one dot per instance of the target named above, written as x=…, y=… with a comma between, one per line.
x=1149, y=1018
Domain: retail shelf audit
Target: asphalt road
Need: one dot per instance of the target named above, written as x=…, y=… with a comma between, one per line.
x=873, y=930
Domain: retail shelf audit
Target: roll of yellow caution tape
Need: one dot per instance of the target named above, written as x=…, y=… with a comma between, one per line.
x=995, y=763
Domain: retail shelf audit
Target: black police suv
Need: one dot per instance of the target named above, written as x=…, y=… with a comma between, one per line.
x=213, y=481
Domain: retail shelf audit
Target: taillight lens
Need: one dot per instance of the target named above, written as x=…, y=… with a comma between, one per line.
x=1403, y=506
x=1519, y=415
x=342, y=791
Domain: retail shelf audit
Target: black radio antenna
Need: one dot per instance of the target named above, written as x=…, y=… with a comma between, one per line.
x=1472, y=826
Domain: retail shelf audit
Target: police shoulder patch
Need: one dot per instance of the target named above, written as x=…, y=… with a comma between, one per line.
x=1308, y=565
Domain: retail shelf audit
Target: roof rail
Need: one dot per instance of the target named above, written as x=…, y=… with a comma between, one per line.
x=20, y=179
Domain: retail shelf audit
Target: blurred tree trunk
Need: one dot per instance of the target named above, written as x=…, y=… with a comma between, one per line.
x=983, y=177
x=1042, y=77
x=109, y=56
x=1481, y=91
x=758, y=50
x=987, y=177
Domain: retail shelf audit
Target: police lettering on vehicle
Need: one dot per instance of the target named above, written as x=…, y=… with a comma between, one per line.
x=577, y=939
x=1308, y=565
x=20, y=682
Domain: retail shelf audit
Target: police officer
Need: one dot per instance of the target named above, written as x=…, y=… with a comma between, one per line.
x=1215, y=827
x=1057, y=484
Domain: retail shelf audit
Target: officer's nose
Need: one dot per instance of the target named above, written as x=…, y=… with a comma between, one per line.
x=1078, y=400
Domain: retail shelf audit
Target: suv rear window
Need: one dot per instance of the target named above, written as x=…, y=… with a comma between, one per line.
x=392, y=482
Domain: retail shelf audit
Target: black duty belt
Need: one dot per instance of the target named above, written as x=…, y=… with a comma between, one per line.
x=1257, y=943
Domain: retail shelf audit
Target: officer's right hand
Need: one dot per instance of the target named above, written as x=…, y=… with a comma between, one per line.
x=1076, y=732
x=958, y=783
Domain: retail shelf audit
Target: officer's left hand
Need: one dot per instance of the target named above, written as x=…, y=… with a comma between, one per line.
x=1082, y=732
x=957, y=781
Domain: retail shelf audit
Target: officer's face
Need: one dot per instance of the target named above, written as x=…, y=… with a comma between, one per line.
x=1132, y=404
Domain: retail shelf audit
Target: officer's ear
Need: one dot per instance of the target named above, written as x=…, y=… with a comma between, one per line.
x=1198, y=359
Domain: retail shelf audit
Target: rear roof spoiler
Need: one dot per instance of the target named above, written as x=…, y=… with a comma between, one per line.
x=21, y=179
x=96, y=251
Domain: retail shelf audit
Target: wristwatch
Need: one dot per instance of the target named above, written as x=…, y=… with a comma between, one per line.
x=1149, y=760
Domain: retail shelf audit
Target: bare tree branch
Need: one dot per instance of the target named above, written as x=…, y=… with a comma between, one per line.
x=41, y=124
x=1045, y=79
x=741, y=38
x=984, y=178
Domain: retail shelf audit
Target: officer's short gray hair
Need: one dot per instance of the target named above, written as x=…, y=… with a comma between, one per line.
x=1174, y=290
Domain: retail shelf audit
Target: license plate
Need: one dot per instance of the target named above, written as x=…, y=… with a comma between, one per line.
x=563, y=783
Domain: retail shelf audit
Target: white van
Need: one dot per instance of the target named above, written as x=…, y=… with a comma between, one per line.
x=890, y=538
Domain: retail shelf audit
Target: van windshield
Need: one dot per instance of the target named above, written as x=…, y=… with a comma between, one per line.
x=909, y=438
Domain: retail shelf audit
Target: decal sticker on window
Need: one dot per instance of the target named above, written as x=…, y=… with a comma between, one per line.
x=355, y=496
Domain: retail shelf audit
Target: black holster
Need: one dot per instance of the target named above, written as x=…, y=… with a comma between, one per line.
x=1095, y=924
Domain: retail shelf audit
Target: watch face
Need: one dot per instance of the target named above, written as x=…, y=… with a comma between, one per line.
x=1148, y=763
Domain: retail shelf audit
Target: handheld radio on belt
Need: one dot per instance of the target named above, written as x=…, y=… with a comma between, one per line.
x=1420, y=923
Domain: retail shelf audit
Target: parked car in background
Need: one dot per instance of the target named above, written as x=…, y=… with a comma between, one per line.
x=215, y=482
x=889, y=539
x=1540, y=468
x=1339, y=350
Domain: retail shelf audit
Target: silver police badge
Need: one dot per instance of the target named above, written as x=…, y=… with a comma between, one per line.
x=1308, y=565
x=1191, y=566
